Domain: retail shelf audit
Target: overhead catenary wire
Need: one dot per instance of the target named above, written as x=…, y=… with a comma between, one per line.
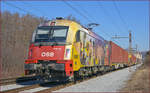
x=41, y=12
x=86, y=12
x=83, y=16
x=133, y=38
x=122, y=19
x=119, y=13
x=86, y=17
x=90, y=16
x=77, y=11
x=110, y=18
x=12, y=5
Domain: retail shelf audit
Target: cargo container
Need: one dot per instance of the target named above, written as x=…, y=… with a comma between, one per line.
x=133, y=60
x=118, y=55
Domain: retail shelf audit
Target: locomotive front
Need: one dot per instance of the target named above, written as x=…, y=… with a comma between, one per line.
x=49, y=55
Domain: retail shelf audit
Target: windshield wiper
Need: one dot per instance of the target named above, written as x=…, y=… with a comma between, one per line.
x=51, y=32
x=55, y=43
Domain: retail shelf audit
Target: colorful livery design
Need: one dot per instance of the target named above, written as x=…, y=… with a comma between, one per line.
x=64, y=50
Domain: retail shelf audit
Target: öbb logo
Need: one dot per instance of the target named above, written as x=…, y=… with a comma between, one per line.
x=47, y=54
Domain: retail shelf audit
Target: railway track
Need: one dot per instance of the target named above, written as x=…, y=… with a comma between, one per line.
x=16, y=80
x=53, y=85
x=78, y=81
x=67, y=84
x=17, y=90
x=7, y=81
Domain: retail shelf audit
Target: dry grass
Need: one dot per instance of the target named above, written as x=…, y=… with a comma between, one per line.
x=140, y=80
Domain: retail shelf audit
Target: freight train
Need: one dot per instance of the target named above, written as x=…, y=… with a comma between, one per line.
x=62, y=49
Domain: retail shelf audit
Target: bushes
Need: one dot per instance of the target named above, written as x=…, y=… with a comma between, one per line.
x=147, y=60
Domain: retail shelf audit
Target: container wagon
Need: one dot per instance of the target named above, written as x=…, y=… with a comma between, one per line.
x=118, y=56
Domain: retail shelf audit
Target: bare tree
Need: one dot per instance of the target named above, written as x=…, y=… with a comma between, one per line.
x=16, y=32
x=70, y=17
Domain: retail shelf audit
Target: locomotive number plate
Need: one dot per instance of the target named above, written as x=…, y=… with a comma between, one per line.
x=47, y=54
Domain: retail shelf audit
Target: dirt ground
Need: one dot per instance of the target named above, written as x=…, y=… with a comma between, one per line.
x=140, y=80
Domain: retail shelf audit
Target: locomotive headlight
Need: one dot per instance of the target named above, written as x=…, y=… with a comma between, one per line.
x=67, y=54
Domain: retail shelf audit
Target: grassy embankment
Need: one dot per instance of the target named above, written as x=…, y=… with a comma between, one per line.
x=140, y=80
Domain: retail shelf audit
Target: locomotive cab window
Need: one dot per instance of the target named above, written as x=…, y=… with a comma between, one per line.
x=51, y=34
x=78, y=36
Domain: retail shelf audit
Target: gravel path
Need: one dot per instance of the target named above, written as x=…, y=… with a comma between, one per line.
x=34, y=90
x=110, y=82
x=18, y=85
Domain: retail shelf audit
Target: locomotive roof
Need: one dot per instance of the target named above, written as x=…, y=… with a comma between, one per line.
x=68, y=22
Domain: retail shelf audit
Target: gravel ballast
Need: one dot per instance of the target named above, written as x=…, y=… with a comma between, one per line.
x=111, y=82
